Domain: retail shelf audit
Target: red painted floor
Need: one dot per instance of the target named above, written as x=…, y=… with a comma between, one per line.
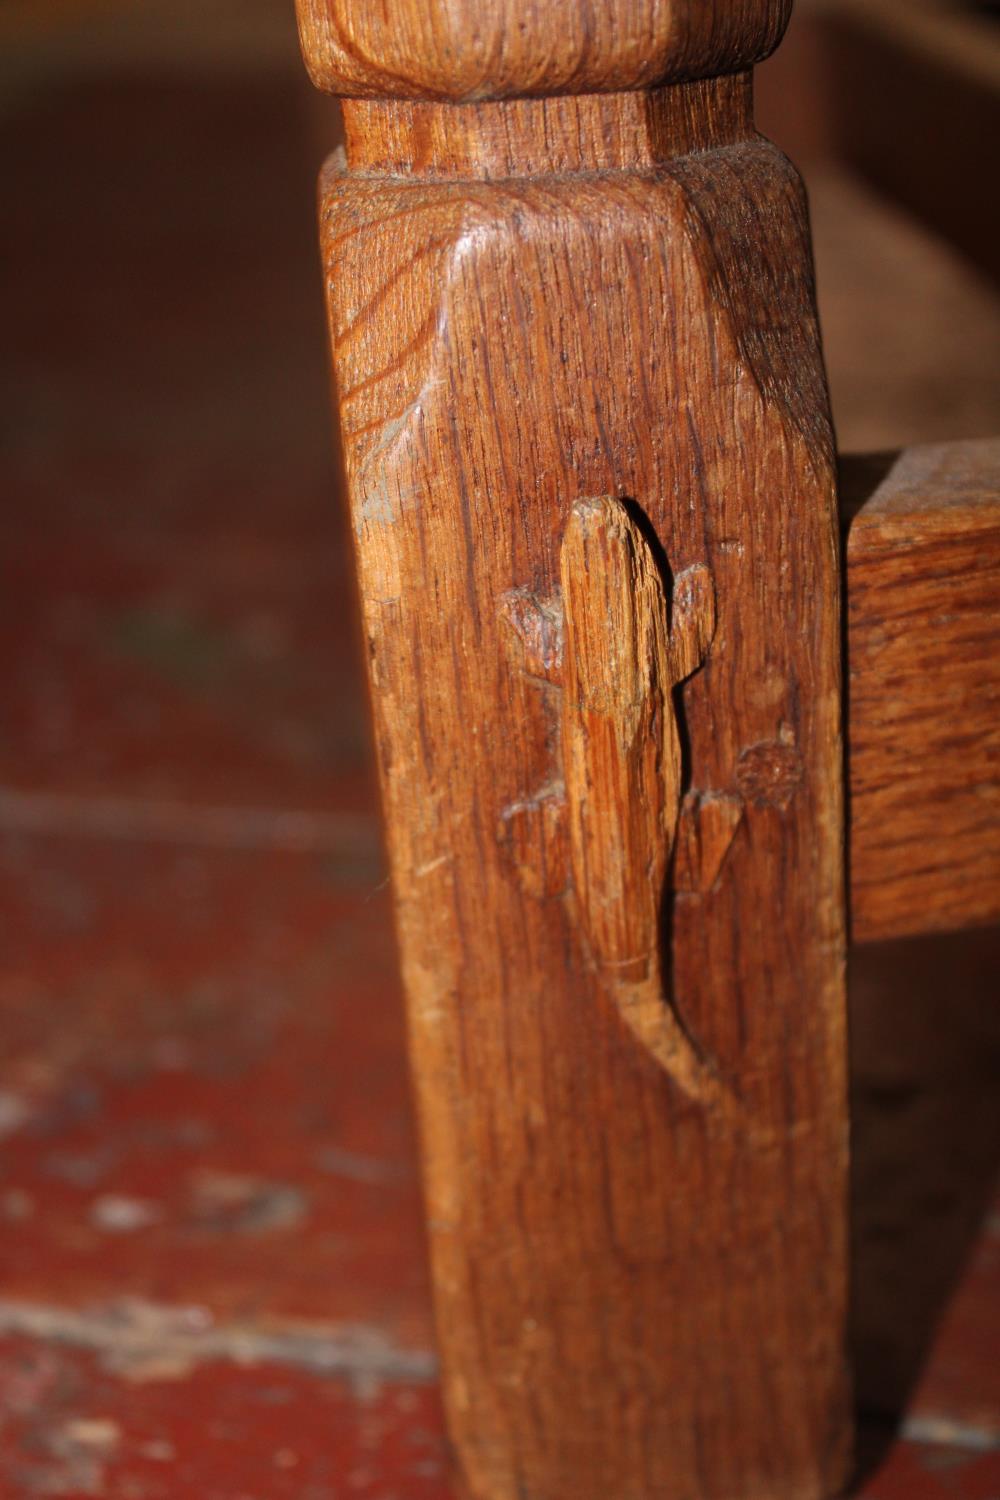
x=212, y=1278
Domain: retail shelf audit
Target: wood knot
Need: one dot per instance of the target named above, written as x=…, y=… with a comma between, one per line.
x=769, y=774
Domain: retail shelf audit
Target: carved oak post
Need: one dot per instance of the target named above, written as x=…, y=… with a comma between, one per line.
x=589, y=466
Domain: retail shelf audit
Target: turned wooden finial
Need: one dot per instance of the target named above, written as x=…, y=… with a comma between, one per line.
x=465, y=51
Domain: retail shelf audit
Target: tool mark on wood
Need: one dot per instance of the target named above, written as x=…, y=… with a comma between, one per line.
x=705, y=831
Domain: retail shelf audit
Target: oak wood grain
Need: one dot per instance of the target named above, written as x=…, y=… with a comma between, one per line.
x=923, y=641
x=640, y=1290
x=520, y=137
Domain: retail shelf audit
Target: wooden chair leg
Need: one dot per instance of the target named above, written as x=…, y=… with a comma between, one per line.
x=590, y=470
x=923, y=630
